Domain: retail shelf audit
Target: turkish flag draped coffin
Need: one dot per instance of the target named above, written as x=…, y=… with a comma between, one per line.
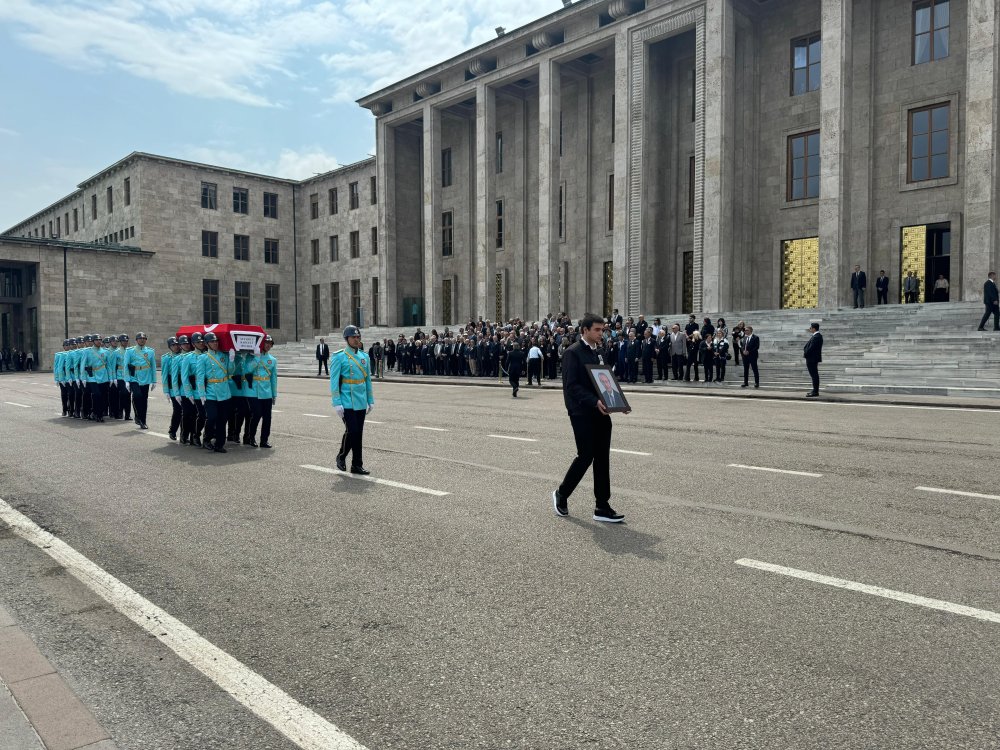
x=232, y=337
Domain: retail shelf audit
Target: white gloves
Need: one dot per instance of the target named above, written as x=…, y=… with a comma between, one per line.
x=203, y=402
x=128, y=386
x=371, y=408
x=152, y=387
x=79, y=383
x=232, y=355
x=340, y=411
x=274, y=400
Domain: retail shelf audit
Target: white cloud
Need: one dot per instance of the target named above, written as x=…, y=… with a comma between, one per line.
x=9, y=132
x=289, y=163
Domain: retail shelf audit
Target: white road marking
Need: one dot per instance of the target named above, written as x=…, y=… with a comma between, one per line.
x=435, y=429
x=386, y=482
x=155, y=434
x=511, y=437
x=14, y=403
x=302, y=726
x=318, y=416
x=277, y=411
x=372, y=421
x=958, y=492
x=899, y=596
x=776, y=471
x=631, y=453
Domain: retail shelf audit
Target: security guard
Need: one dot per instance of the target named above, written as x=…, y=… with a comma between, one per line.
x=214, y=374
x=170, y=372
x=187, y=368
x=351, y=386
x=140, y=362
x=59, y=375
x=262, y=376
x=96, y=375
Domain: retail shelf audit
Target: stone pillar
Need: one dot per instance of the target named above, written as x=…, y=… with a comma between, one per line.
x=549, y=108
x=714, y=102
x=834, y=153
x=486, y=257
x=432, y=215
x=979, y=249
x=623, y=193
x=385, y=169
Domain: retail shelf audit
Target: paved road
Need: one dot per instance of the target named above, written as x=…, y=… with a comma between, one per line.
x=477, y=619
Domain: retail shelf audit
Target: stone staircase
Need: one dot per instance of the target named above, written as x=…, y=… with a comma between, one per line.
x=923, y=349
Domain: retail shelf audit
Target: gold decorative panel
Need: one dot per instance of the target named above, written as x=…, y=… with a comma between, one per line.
x=446, y=301
x=914, y=258
x=609, y=288
x=800, y=273
x=499, y=298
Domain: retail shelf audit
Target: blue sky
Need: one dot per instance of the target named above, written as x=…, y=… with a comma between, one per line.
x=262, y=85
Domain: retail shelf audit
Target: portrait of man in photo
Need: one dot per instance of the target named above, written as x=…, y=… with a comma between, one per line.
x=608, y=388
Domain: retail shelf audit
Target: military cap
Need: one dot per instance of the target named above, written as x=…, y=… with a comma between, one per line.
x=351, y=331
x=172, y=341
x=122, y=337
x=140, y=335
x=209, y=337
x=106, y=340
x=196, y=338
x=183, y=340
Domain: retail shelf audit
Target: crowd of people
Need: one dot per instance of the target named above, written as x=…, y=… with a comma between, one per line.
x=19, y=360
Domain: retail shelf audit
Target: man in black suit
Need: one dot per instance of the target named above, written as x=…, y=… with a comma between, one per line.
x=615, y=319
x=751, y=349
x=882, y=288
x=515, y=366
x=813, y=352
x=323, y=357
x=648, y=353
x=858, y=283
x=591, y=424
x=991, y=298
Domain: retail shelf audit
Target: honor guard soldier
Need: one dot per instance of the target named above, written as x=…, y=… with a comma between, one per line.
x=95, y=374
x=71, y=368
x=59, y=375
x=170, y=374
x=262, y=376
x=351, y=386
x=124, y=400
x=214, y=374
x=140, y=364
x=189, y=395
x=239, y=392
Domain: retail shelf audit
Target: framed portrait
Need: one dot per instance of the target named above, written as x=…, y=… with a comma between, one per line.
x=606, y=383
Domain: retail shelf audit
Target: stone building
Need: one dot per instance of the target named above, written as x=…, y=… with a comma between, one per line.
x=670, y=155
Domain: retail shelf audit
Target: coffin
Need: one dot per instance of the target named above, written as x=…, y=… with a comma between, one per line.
x=231, y=336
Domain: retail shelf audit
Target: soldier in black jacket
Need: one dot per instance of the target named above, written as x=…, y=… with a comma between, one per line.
x=591, y=424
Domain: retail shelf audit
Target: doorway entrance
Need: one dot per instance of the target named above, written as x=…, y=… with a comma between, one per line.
x=926, y=253
x=800, y=273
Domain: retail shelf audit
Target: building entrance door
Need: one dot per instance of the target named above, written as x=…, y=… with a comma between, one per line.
x=926, y=253
x=800, y=273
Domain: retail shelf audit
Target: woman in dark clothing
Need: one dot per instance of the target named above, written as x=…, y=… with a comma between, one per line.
x=515, y=366
x=721, y=348
x=694, y=341
x=707, y=330
x=707, y=357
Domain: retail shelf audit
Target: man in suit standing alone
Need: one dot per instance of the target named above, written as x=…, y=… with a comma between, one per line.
x=323, y=357
x=882, y=288
x=858, y=283
x=751, y=348
x=991, y=298
x=813, y=352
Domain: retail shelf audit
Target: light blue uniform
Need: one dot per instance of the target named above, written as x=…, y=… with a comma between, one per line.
x=264, y=369
x=189, y=374
x=214, y=373
x=351, y=380
x=143, y=359
x=167, y=373
x=57, y=367
x=97, y=359
x=118, y=354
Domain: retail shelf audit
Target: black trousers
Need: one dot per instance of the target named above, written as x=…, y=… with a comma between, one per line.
x=140, y=400
x=996, y=318
x=189, y=414
x=750, y=364
x=239, y=415
x=661, y=368
x=677, y=362
x=65, y=395
x=592, y=433
x=201, y=419
x=692, y=362
x=176, y=415
x=217, y=413
x=708, y=364
x=262, y=416
x=98, y=398
x=354, y=422
x=124, y=401
x=720, y=370
x=322, y=366
x=882, y=296
x=514, y=378
x=535, y=370
x=813, y=368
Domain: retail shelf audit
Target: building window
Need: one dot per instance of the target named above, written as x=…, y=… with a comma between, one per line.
x=499, y=154
x=316, y=305
x=334, y=248
x=93, y=206
x=806, y=59
x=447, y=233
x=111, y=200
x=242, y=296
x=66, y=222
x=611, y=202
x=208, y=193
x=446, y=168
x=131, y=231
x=612, y=118
x=931, y=21
x=355, y=244
x=241, y=200
x=334, y=203
x=58, y=227
x=270, y=251
x=691, y=187
x=356, y=301
x=803, y=166
x=314, y=246
x=374, y=190
x=270, y=205
x=335, y=305
x=374, y=240
x=928, y=143
x=314, y=206
x=374, y=315
x=241, y=247
x=562, y=211
x=353, y=196
x=272, y=306
x=560, y=133
x=76, y=222
x=210, y=244
x=210, y=301
x=499, y=224
x=128, y=191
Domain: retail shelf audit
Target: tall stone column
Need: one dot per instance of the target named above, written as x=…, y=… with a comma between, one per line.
x=622, y=190
x=714, y=101
x=432, y=215
x=385, y=169
x=834, y=152
x=486, y=257
x=979, y=250
x=549, y=108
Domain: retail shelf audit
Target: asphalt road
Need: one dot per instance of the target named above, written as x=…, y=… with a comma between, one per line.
x=478, y=619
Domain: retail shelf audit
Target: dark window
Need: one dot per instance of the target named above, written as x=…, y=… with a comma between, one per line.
x=374, y=190
x=560, y=133
x=355, y=244
x=335, y=305
x=58, y=227
x=241, y=200
x=803, y=166
x=499, y=223
x=111, y=200
x=270, y=251
x=691, y=187
x=210, y=301
x=270, y=205
x=928, y=143
x=128, y=191
x=210, y=244
x=76, y=222
x=334, y=248
x=374, y=316
x=241, y=247
x=242, y=296
x=131, y=231
x=806, y=59
x=374, y=240
x=314, y=206
x=354, y=196
x=562, y=212
x=66, y=222
x=447, y=233
x=931, y=22
x=93, y=206
x=208, y=193
x=446, y=168
x=611, y=202
x=314, y=246
x=612, y=118
x=334, y=204
x=356, y=301
x=272, y=306
x=499, y=154
x=316, y=306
